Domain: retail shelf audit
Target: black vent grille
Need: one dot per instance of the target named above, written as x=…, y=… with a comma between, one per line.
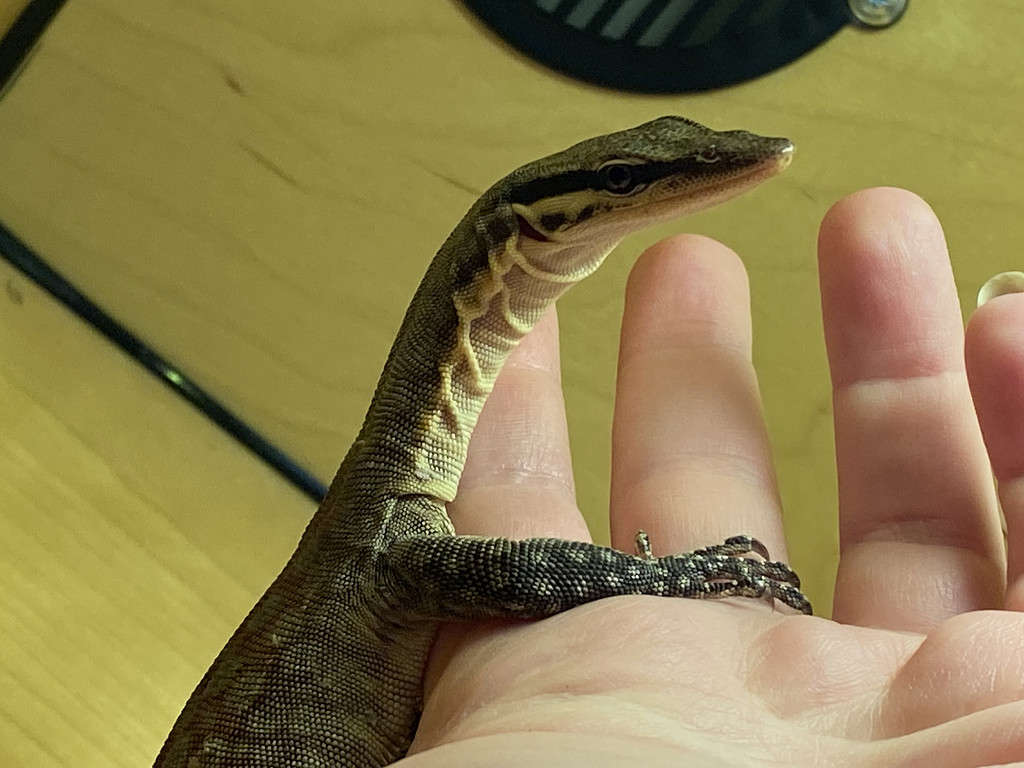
x=658, y=46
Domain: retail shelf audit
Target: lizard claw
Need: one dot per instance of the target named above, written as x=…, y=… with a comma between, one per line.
x=724, y=572
x=745, y=545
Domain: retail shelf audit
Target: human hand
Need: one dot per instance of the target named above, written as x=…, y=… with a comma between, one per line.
x=915, y=668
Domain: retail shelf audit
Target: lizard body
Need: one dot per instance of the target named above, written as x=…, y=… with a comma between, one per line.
x=326, y=670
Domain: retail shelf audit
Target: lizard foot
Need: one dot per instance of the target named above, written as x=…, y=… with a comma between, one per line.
x=723, y=571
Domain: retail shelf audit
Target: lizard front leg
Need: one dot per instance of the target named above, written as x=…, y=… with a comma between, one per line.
x=468, y=577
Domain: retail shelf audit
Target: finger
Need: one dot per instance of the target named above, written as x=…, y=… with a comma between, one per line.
x=971, y=663
x=691, y=463
x=518, y=476
x=995, y=366
x=919, y=533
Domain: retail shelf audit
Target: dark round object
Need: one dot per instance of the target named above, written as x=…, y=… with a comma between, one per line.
x=663, y=46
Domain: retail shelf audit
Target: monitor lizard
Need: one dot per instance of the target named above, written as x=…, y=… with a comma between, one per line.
x=326, y=670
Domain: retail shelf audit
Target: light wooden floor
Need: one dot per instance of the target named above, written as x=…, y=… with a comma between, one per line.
x=256, y=189
x=9, y=10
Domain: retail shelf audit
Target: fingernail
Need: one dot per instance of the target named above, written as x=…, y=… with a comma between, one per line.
x=1001, y=284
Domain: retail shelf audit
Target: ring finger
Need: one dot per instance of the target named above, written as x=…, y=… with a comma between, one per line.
x=995, y=366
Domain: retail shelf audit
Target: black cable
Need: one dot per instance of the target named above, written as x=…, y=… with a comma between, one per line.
x=14, y=47
x=22, y=257
x=26, y=29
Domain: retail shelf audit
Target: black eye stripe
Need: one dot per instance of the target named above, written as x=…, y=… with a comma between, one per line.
x=529, y=192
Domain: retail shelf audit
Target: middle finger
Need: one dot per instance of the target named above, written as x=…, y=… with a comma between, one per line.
x=691, y=462
x=919, y=530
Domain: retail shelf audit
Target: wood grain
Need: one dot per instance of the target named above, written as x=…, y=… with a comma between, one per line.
x=257, y=188
x=125, y=559
x=9, y=10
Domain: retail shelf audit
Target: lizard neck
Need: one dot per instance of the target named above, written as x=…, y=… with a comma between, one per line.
x=480, y=296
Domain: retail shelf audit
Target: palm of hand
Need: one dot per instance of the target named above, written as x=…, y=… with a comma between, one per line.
x=913, y=671
x=635, y=681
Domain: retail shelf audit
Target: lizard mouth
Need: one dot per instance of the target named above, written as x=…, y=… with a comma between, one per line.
x=526, y=229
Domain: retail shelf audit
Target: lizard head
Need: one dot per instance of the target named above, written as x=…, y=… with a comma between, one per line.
x=587, y=197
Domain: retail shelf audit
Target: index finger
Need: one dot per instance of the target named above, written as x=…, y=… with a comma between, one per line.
x=518, y=481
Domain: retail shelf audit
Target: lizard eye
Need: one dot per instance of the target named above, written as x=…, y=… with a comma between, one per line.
x=709, y=155
x=618, y=178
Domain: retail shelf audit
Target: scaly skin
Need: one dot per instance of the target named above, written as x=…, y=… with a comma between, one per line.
x=326, y=670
